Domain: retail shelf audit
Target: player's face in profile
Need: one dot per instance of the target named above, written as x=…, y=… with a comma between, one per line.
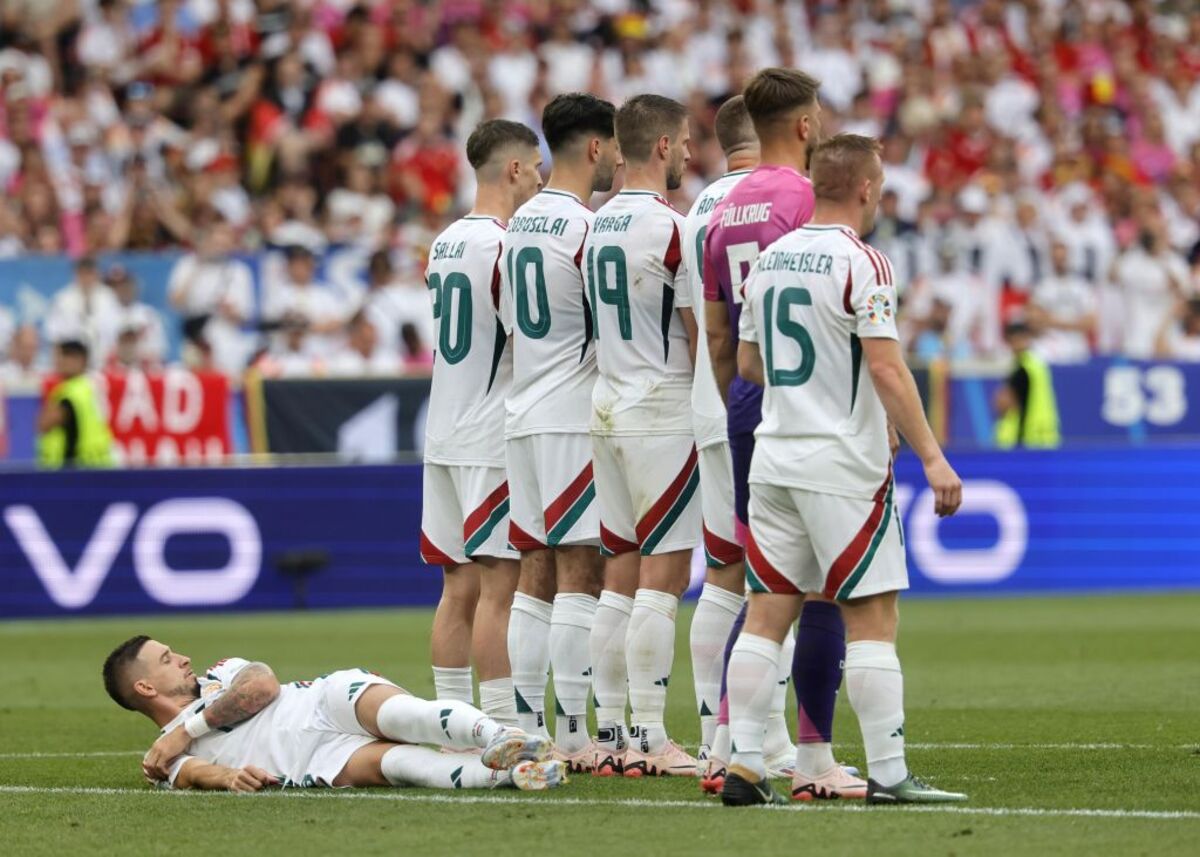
x=606, y=167
x=529, y=180
x=680, y=154
x=168, y=672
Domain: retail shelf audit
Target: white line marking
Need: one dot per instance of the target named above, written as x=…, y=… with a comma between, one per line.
x=935, y=745
x=457, y=798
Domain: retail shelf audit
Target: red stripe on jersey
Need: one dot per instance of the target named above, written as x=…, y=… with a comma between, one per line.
x=870, y=258
x=674, y=255
x=579, y=252
x=496, y=280
x=521, y=540
x=846, y=305
x=613, y=543
x=848, y=559
x=431, y=554
x=479, y=517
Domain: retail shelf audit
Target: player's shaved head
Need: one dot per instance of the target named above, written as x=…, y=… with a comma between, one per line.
x=575, y=116
x=841, y=164
x=492, y=142
x=121, y=670
x=735, y=131
x=776, y=95
x=643, y=121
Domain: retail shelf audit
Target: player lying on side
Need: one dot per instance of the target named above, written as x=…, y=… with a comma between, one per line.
x=237, y=728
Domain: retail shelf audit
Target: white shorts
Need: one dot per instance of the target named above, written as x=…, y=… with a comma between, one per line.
x=337, y=721
x=842, y=547
x=552, y=492
x=722, y=546
x=464, y=514
x=646, y=486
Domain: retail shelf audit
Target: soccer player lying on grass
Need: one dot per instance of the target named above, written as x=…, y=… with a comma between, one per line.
x=235, y=727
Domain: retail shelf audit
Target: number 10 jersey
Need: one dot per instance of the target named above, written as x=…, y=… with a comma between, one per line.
x=542, y=305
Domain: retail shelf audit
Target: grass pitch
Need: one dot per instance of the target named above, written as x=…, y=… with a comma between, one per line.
x=1074, y=724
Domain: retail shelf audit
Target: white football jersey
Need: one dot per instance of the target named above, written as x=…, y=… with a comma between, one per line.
x=708, y=409
x=472, y=369
x=809, y=299
x=277, y=739
x=543, y=307
x=636, y=286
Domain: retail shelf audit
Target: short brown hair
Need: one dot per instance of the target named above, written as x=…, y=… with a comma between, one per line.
x=774, y=92
x=117, y=668
x=733, y=126
x=495, y=134
x=840, y=163
x=643, y=120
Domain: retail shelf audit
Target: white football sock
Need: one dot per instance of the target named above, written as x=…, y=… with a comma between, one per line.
x=497, y=701
x=409, y=765
x=571, y=658
x=609, y=684
x=454, y=683
x=715, y=612
x=753, y=669
x=443, y=722
x=721, y=744
x=778, y=739
x=529, y=656
x=650, y=653
x=875, y=687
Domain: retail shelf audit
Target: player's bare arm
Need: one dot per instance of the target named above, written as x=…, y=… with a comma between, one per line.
x=721, y=351
x=749, y=363
x=195, y=774
x=898, y=392
x=253, y=689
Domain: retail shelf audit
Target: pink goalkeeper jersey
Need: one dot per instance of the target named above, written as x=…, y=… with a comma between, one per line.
x=764, y=206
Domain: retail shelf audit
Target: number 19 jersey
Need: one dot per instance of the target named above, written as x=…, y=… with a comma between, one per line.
x=472, y=369
x=636, y=285
x=542, y=303
x=809, y=299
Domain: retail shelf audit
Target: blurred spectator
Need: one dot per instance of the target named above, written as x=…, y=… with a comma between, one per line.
x=23, y=368
x=214, y=293
x=141, y=338
x=392, y=303
x=417, y=354
x=1025, y=403
x=298, y=298
x=361, y=354
x=72, y=428
x=1179, y=338
x=1151, y=278
x=85, y=310
x=950, y=317
x=1062, y=312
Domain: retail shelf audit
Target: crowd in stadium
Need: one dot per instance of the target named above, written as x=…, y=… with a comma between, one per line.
x=1042, y=158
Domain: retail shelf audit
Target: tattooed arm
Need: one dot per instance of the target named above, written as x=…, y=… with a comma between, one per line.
x=252, y=689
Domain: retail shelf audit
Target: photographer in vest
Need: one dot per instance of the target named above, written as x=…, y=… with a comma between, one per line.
x=72, y=428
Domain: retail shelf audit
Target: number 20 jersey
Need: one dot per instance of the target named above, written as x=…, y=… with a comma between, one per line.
x=636, y=285
x=542, y=303
x=809, y=300
x=472, y=369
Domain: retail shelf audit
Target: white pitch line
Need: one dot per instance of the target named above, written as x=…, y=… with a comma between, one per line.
x=635, y=803
x=935, y=745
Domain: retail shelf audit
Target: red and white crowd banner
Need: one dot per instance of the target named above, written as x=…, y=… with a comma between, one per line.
x=170, y=417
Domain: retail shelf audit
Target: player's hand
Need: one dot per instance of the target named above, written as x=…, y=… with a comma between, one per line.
x=157, y=764
x=249, y=779
x=946, y=487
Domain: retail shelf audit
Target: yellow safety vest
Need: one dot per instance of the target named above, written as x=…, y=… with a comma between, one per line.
x=1040, y=429
x=93, y=447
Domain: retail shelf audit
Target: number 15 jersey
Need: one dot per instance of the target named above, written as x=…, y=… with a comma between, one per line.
x=810, y=298
x=636, y=286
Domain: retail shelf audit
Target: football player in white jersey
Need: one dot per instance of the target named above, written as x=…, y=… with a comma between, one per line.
x=464, y=514
x=235, y=727
x=823, y=518
x=645, y=452
x=554, y=521
x=724, y=584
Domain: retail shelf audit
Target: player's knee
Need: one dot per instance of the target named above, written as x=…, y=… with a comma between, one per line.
x=875, y=617
x=580, y=569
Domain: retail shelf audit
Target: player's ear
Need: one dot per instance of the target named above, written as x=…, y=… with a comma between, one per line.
x=594, y=150
x=144, y=689
x=664, y=147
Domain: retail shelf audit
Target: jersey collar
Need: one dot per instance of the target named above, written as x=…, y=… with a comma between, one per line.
x=652, y=193
x=495, y=220
x=556, y=192
x=744, y=172
x=826, y=227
